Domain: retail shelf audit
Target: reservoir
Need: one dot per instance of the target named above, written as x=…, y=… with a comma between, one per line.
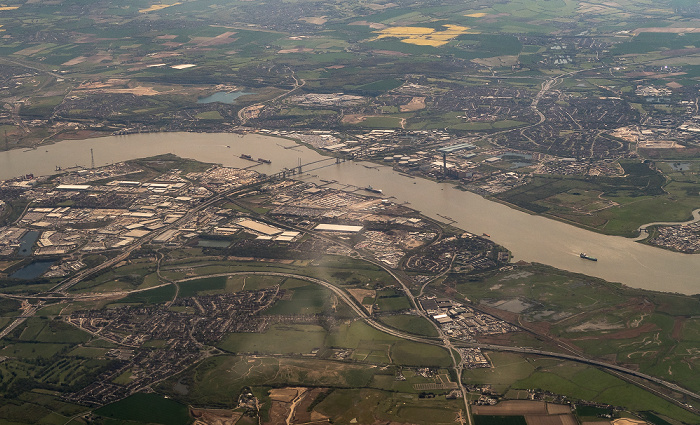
x=33, y=270
x=27, y=242
x=529, y=237
x=223, y=97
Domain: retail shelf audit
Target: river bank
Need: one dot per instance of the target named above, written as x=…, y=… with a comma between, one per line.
x=530, y=238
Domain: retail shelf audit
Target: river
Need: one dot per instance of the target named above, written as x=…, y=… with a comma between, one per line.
x=529, y=237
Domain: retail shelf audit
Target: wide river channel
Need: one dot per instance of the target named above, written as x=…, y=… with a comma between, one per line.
x=529, y=237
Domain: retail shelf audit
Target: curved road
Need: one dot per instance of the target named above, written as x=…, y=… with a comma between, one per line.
x=242, y=112
x=643, y=227
x=447, y=342
x=347, y=299
x=361, y=312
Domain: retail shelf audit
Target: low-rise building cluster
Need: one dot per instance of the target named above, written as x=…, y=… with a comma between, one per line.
x=473, y=358
x=684, y=238
x=462, y=322
x=574, y=167
x=176, y=337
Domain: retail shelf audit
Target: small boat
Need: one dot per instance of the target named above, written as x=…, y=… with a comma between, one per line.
x=587, y=257
x=486, y=234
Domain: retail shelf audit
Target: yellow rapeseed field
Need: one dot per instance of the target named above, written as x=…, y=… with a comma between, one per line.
x=424, y=36
x=157, y=7
x=476, y=15
x=9, y=7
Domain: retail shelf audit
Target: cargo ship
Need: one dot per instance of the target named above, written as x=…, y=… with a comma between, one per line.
x=587, y=257
x=373, y=190
x=264, y=161
x=248, y=157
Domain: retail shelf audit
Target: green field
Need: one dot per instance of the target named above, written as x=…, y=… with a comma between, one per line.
x=380, y=86
x=390, y=383
x=611, y=205
x=146, y=408
x=391, y=300
x=366, y=406
x=356, y=335
x=88, y=352
x=649, y=42
x=338, y=270
x=153, y=296
x=499, y=420
x=279, y=339
x=604, y=320
x=592, y=384
x=576, y=381
x=206, y=285
x=413, y=324
x=26, y=412
x=40, y=330
x=126, y=277
x=508, y=368
x=209, y=115
x=31, y=350
x=411, y=353
x=218, y=381
x=369, y=344
x=306, y=298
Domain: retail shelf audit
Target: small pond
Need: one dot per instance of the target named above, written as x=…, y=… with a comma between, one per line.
x=680, y=166
x=518, y=160
x=208, y=243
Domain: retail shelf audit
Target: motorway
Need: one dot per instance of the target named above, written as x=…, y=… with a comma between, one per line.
x=342, y=295
x=444, y=341
x=29, y=312
x=59, y=292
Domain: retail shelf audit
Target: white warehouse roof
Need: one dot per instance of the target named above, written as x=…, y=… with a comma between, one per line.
x=338, y=228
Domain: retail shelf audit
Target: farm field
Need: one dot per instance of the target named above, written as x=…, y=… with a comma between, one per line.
x=612, y=206
x=516, y=373
x=596, y=317
x=412, y=324
x=146, y=408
